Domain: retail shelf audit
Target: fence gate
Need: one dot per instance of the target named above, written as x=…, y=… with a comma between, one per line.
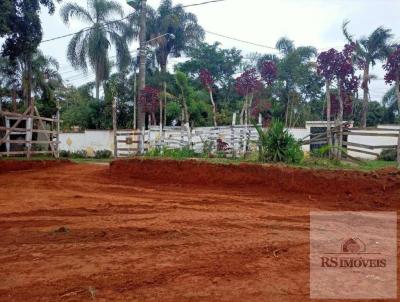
x=130, y=142
x=26, y=133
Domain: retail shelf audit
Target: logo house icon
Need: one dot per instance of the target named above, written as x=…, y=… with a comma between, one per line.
x=353, y=246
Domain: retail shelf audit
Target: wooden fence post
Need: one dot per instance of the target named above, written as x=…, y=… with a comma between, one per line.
x=142, y=135
x=58, y=130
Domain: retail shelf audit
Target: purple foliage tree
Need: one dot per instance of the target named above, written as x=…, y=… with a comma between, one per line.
x=338, y=66
x=207, y=81
x=247, y=85
x=392, y=68
x=150, y=101
x=269, y=72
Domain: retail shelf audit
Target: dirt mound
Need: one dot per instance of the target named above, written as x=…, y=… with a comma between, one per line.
x=271, y=178
x=22, y=165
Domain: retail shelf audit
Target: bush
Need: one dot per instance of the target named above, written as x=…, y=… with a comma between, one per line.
x=173, y=153
x=103, y=154
x=65, y=154
x=278, y=145
x=388, y=155
x=79, y=154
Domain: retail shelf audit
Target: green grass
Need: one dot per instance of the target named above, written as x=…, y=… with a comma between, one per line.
x=372, y=165
x=90, y=160
x=36, y=157
x=308, y=163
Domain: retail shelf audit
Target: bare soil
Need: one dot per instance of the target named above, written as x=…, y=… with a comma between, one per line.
x=168, y=231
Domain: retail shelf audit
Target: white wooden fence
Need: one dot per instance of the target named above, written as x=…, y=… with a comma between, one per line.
x=238, y=138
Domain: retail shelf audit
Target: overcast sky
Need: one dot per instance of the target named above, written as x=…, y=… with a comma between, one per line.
x=306, y=22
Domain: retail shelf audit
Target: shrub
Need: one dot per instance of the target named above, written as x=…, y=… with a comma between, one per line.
x=65, y=154
x=79, y=154
x=388, y=155
x=278, y=145
x=185, y=152
x=103, y=154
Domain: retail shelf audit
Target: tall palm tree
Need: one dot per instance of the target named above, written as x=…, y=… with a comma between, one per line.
x=369, y=50
x=90, y=47
x=44, y=80
x=182, y=27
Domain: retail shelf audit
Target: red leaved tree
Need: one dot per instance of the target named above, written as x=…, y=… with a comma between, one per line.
x=208, y=83
x=150, y=101
x=338, y=66
x=247, y=85
x=392, y=68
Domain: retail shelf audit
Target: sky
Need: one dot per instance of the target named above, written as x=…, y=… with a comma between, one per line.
x=316, y=23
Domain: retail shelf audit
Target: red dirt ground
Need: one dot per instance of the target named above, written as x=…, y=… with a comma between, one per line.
x=168, y=231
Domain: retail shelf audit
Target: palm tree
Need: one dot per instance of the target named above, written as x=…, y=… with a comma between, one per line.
x=171, y=30
x=91, y=46
x=369, y=50
x=44, y=80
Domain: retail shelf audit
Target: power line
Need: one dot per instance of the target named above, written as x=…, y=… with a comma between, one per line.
x=114, y=21
x=85, y=29
x=202, y=3
x=240, y=40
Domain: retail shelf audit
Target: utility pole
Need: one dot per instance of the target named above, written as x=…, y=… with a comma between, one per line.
x=142, y=63
x=114, y=119
x=135, y=99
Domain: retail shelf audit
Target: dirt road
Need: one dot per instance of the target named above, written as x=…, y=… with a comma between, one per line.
x=168, y=231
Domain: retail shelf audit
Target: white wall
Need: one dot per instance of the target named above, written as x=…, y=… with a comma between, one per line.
x=90, y=141
x=372, y=141
x=95, y=140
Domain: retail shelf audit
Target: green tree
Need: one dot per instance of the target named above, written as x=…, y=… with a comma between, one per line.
x=175, y=21
x=185, y=92
x=44, y=80
x=21, y=27
x=223, y=64
x=5, y=11
x=297, y=81
x=91, y=47
x=171, y=30
x=369, y=50
x=80, y=108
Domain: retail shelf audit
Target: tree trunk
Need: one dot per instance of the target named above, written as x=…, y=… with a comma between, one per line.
x=165, y=104
x=142, y=63
x=328, y=116
x=163, y=67
x=340, y=124
x=97, y=89
x=14, y=98
x=365, y=87
x=214, y=108
x=185, y=112
x=249, y=106
x=243, y=112
x=29, y=80
x=287, y=109
x=397, y=87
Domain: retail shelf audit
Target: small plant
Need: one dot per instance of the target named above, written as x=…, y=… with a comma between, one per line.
x=388, y=155
x=185, y=152
x=208, y=147
x=79, y=154
x=278, y=145
x=65, y=154
x=103, y=154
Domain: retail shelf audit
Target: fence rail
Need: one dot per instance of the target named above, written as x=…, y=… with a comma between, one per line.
x=34, y=123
